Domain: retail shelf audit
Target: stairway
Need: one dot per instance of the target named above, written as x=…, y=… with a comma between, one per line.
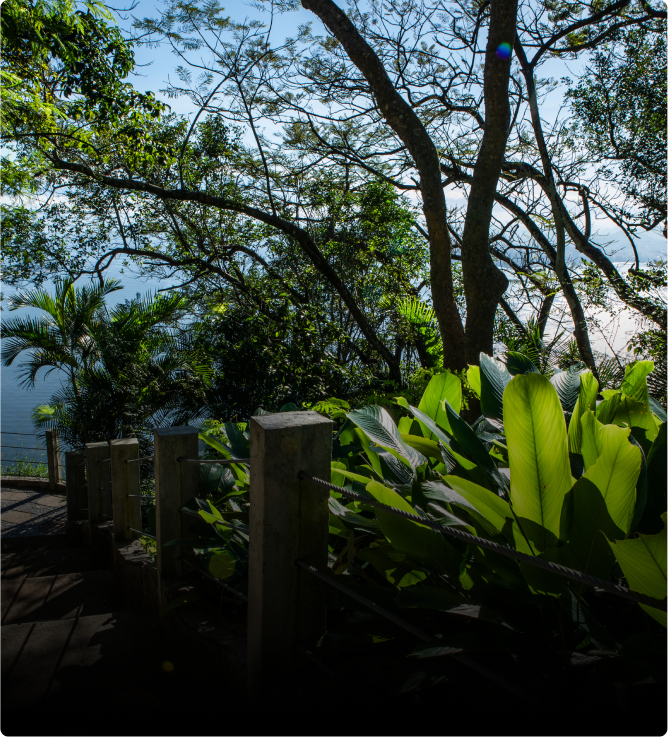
x=74, y=659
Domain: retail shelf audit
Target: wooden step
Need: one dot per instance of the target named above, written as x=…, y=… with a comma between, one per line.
x=95, y=654
x=33, y=598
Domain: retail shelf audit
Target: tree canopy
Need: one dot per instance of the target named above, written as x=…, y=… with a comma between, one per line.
x=313, y=175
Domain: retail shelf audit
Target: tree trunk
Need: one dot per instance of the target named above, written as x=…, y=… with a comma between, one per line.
x=409, y=128
x=484, y=282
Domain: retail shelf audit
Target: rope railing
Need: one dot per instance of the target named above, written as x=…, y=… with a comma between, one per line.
x=143, y=534
x=227, y=587
x=104, y=460
x=495, y=547
x=136, y=460
x=224, y=522
x=146, y=497
x=452, y=652
x=222, y=461
x=22, y=447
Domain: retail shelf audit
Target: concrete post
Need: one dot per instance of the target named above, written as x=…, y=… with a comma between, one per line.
x=124, y=481
x=53, y=458
x=175, y=483
x=77, y=498
x=99, y=482
x=288, y=521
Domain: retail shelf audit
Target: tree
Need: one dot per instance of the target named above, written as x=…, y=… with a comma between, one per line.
x=397, y=95
x=122, y=365
x=619, y=107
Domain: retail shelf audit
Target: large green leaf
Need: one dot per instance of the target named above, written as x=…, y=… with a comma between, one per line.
x=494, y=510
x=540, y=474
x=441, y=388
x=620, y=409
x=586, y=401
x=518, y=364
x=473, y=376
x=411, y=538
x=616, y=472
x=657, y=483
x=379, y=427
x=567, y=384
x=589, y=438
x=643, y=561
x=392, y=565
x=658, y=411
x=587, y=549
x=428, y=426
x=635, y=381
x=468, y=441
x=493, y=380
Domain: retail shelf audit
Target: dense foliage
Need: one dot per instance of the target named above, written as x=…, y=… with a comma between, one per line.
x=546, y=470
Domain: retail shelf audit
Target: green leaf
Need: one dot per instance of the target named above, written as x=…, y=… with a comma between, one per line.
x=615, y=474
x=586, y=401
x=657, y=483
x=540, y=475
x=442, y=388
x=423, y=445
x=411, y=538
x=658, y=411
x=429, y=427
x=215, y=443
x=493, y=380
x=590, y=439
x=491, y=508
x=468, y=441
x=222, y=565
x=473, y=375
x=635, y=381
x=377, y=424
x=392, y=566
x=518, y=364
x=238, y=442
x=624, y=410
x=567, y=384
x=587, y=549
x=336, y=477
x=643, y=561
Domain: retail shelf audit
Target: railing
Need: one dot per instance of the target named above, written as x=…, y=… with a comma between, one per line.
x=52, y=449
x=288, y=531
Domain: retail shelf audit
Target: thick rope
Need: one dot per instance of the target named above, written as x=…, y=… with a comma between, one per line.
x=508, y=552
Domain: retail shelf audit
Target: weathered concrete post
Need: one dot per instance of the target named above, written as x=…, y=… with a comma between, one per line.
x=175, y=483
x=53, y=458
x=77, y=498
x=288, y=521
x=124, y=481
x=99, y=482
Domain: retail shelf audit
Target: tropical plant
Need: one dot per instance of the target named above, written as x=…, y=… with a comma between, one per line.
x=123, y=365
x=547, y=470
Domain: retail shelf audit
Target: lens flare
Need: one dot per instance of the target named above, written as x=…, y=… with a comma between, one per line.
x=503, y=51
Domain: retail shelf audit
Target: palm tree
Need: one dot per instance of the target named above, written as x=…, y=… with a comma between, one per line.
x=59, y=338
x=123, y=365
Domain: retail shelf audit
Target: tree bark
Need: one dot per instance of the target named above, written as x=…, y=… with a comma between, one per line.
x=484, y=282
x=409, y=128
